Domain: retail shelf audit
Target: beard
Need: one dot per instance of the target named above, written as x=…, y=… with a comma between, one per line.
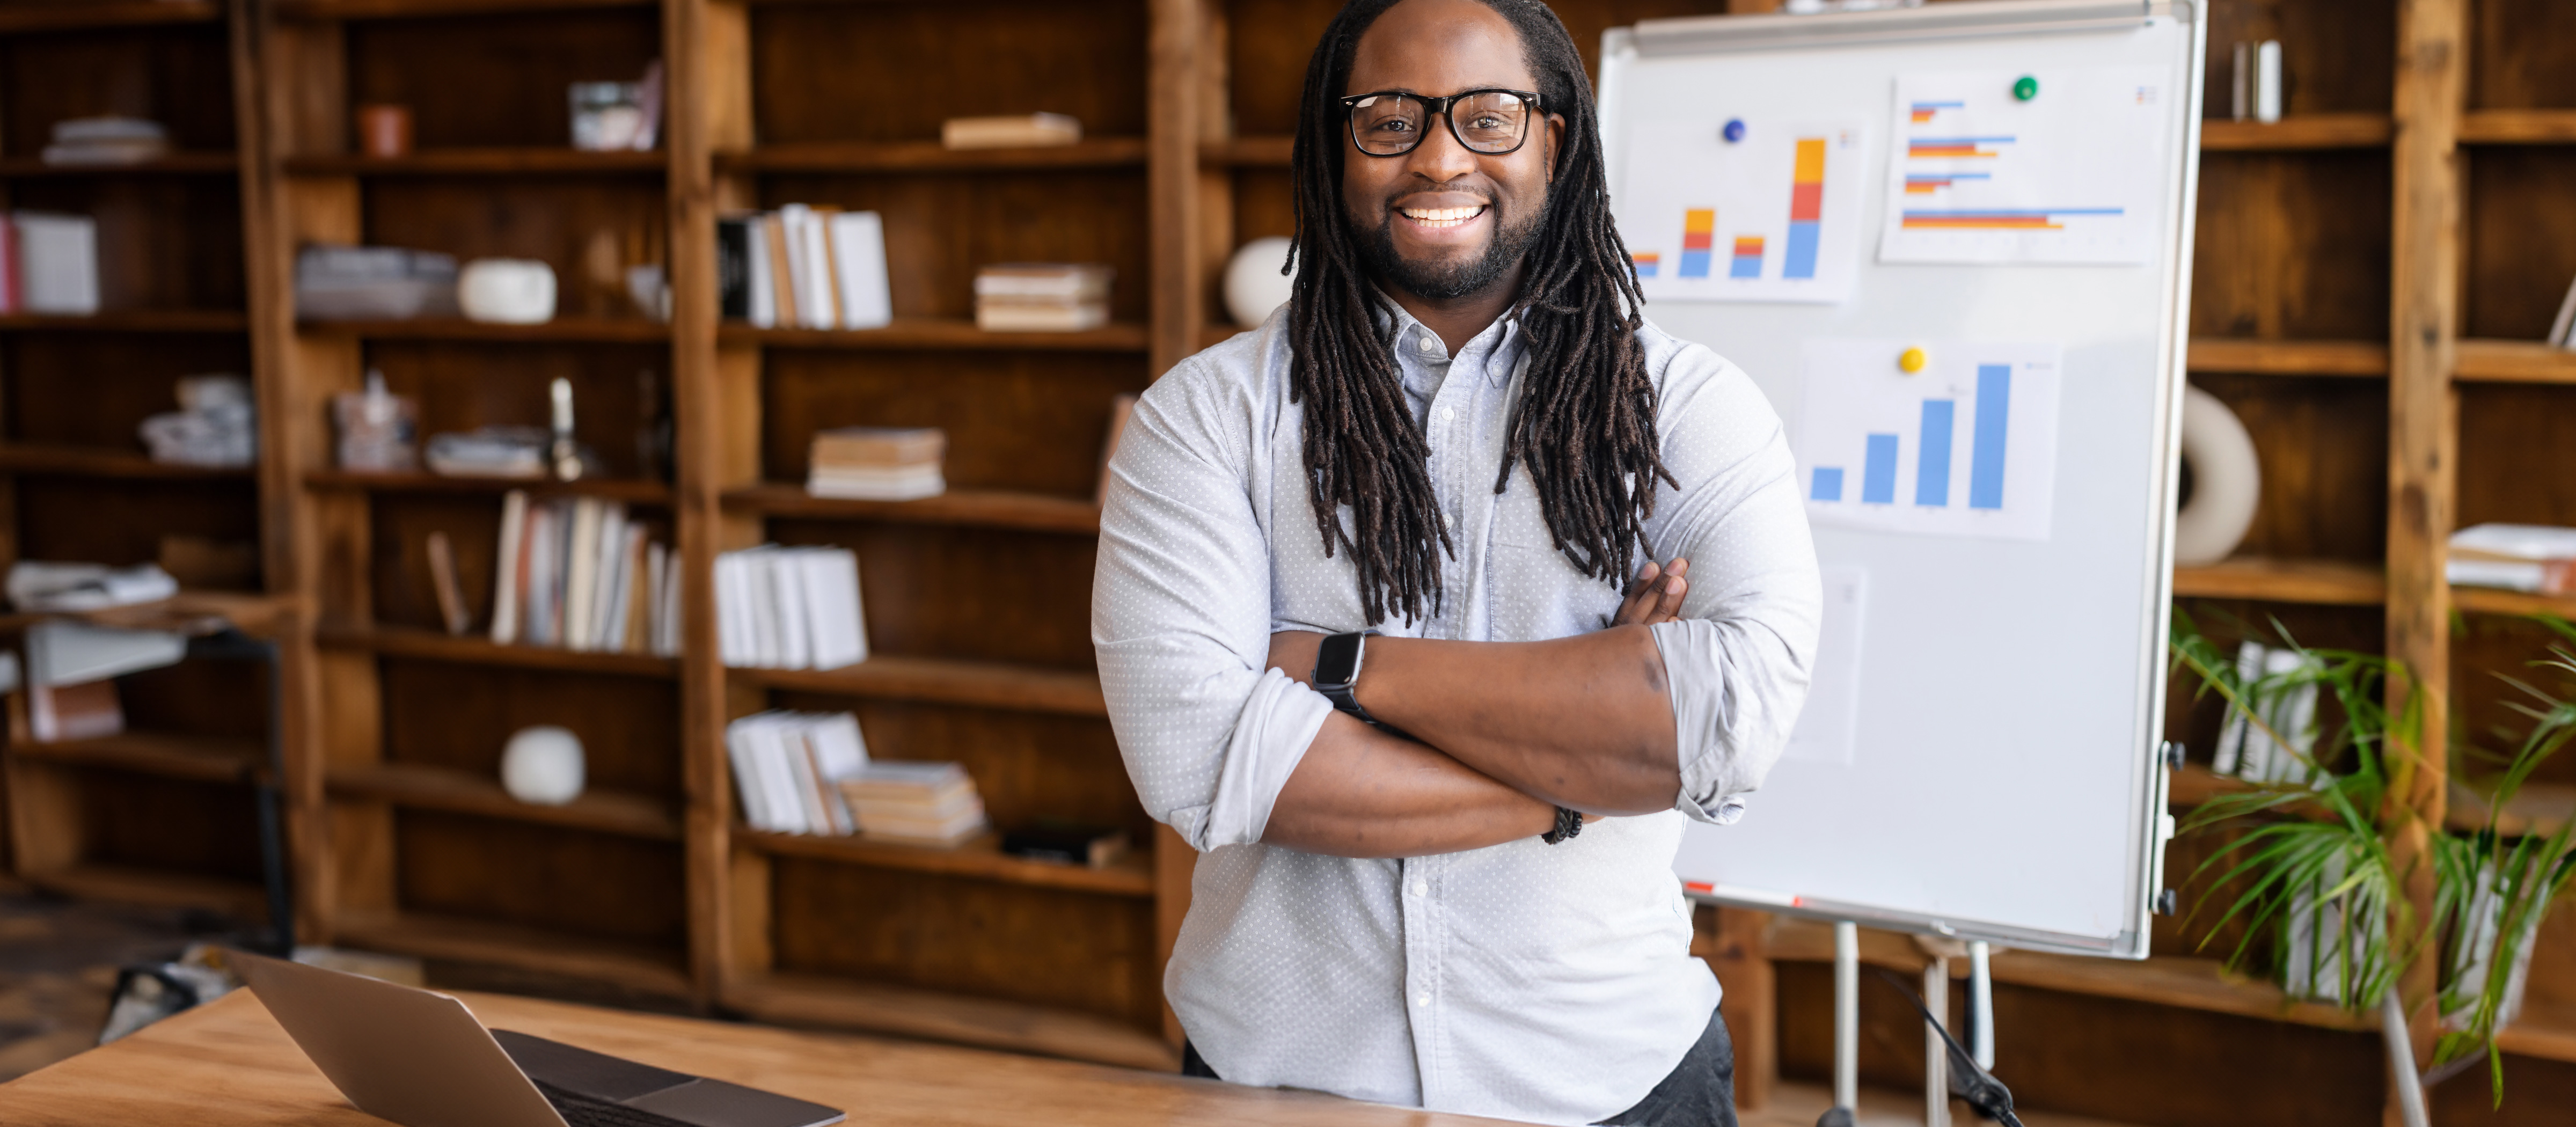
x=1448, y=281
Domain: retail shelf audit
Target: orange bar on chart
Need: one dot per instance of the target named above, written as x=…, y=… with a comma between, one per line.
x=1699, y=234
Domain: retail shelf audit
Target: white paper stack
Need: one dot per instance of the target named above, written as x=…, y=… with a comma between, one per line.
x=100, y=141
x=788, y=766
x=2517, y=557
x=878, y=463
x=790, y=608
x=1042, y=297
x=914, y=803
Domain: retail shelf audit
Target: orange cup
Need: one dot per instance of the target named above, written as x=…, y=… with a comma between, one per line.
x=384, y=130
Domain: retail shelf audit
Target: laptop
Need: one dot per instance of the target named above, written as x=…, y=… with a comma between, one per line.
x=420, y=1059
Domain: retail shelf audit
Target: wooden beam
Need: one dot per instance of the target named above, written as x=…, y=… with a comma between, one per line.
x=1173, y=94
x=2423, y=411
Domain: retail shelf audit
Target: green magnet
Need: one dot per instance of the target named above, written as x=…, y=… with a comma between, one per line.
x=2026, y=89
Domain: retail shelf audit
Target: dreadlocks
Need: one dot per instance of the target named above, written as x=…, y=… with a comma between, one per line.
x=1584, y=425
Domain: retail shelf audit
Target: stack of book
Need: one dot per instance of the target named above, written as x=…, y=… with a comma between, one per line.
x=48, y=263
x=803, y=267
x=788, y=766
x=1014, y=131
x=789, y=608
x=100, y=141
x=1041, y=297
x=878, y=463
x=2537, y=559
x=2282, y=690
x=578, y=573
x=914, y=803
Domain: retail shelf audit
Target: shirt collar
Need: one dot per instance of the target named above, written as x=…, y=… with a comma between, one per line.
x=1495, y=346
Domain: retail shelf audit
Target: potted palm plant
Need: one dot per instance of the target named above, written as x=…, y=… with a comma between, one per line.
x=2311, y=875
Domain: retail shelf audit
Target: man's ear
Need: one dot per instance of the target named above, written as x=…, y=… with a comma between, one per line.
x=1555, y=133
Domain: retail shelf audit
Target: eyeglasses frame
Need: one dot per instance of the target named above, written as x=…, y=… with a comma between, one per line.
x=1440, y=107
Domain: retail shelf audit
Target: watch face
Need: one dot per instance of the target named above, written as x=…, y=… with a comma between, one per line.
x=1338, y=660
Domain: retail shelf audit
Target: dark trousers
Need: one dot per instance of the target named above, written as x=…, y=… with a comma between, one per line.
x=1698, y=1092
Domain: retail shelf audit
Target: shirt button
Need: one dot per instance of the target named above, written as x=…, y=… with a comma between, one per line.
x=1448, y=413
x=1422, y=1000
x=1430, y=345
x=1422, y=888
x=1448, y=523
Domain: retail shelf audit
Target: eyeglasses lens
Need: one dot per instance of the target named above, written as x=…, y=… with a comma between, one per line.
x=1387, y=124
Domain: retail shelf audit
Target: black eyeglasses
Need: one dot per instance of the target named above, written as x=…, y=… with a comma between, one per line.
x=1391, y=123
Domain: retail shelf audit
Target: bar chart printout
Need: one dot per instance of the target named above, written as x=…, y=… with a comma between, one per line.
x=2067, y=176
x=1772, y=216
x=1966, y=447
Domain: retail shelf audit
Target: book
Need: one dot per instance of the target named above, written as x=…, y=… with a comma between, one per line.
x=793, y=628
x=782, y=272
x=85, y=711
x=581, y=573
x=1048, y=282
x=2562, y=332
x=788, y=766
x=2538, y=559
x=831, y=581
x=817, y=286
x=57, y=262
x=859, y=265
x=508, y=577
x=789, y=608
x=1010, y=132
x=442, y=579
x=1039, y=318
x=12, y=299
x=892, y=483
x=733, y=267
x=878, y=446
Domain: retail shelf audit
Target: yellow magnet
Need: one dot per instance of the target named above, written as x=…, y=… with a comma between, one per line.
x=1910, y=361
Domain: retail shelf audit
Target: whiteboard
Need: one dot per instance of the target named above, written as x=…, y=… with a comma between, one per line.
x=1979, y=754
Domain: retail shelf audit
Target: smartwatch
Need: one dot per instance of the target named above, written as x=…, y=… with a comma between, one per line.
x=1337, y=672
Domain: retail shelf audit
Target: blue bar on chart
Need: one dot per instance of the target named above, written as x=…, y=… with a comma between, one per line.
x=1829, y=484
x=1878, y=475
x=1699, y=231
x=1932, y=465
x=1806, y=208
x=1986, y=454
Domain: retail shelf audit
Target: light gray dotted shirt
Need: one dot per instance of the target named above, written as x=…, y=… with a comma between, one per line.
x=1524, y=981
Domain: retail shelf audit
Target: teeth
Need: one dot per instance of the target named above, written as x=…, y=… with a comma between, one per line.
x=1442, y=216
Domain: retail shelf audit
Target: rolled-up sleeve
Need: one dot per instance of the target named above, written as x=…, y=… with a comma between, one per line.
x=1180, y=618
x=1739, y=658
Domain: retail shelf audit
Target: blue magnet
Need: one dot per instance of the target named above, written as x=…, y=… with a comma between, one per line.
x=1734, y=131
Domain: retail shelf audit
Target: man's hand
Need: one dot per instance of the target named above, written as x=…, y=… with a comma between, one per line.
x=1650, y=601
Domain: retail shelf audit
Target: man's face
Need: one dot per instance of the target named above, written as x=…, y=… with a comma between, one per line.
x=1443, y=221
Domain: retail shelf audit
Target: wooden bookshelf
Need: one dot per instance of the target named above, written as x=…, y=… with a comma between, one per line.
x=495, y=161
x=941, y=334
x=167, y=812
x=979, y=508
x=931, y=156
x=568, y=330
x=943, y=681
x=2288, y=357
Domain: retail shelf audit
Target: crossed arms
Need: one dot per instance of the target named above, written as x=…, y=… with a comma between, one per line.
x=1510, y=731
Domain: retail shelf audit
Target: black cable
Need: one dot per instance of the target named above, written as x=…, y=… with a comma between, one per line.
x=1967, y=1081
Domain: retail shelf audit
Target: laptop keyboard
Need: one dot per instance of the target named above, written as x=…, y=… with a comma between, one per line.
x=586, y=1111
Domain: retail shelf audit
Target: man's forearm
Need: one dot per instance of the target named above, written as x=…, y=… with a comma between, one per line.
x=1359, y=792
x=1584, y=722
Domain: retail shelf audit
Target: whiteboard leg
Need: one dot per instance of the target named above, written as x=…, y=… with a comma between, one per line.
x=1936, y=1054
x=1847, y=1016
x=1981, y=1004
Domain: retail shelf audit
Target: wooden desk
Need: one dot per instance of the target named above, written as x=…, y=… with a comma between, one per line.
x=230, y=1063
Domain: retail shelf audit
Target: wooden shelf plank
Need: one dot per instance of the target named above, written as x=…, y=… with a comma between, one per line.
x=82, y=461
x=649, y=970
x=2309, y=131
x=131, y=321
x=931, y=156
x=629, y=490
x=2539, y=808
x=815, y=1000
x=510, y=161
x=174, y=164
x=2518, y=127
x=81, y=17
x=1249, y=152
x=929, y=334
x=422, y=787
x=2288, y=357
x=210, y=759
x=599, y=330
x=126, y=884
x=417, y=9
x=940, y=681
x=980, y=858
x=2514, y=361
x=2165, y=980
x=2490, y=600
x=2545, y=1029
x=475, y=649
x=191, y=613
x=983, y=508
x=2324, y=582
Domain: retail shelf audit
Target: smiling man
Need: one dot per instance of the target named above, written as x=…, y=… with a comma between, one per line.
x=1361, y=623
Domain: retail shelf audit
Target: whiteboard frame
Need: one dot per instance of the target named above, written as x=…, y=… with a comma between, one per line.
x=1711, y=35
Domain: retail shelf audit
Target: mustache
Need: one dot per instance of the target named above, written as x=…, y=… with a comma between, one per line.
x=1483, y=195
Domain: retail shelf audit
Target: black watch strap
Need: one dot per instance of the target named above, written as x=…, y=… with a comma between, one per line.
x=1340, y=684
x=1568, y=824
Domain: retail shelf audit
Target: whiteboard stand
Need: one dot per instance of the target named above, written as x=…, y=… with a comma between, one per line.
x=1981, y=1004
x=1846, y=1019
x=1936, y=1055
